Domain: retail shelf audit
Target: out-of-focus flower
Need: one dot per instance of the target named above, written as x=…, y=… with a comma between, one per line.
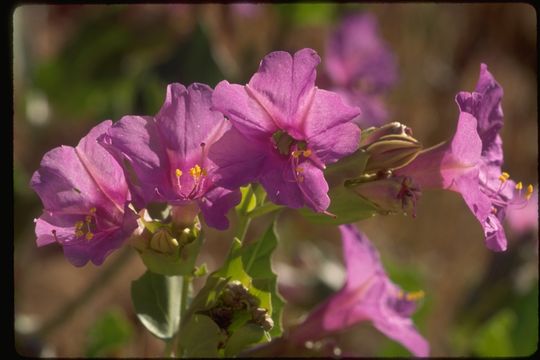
x=168, y=152
x=471, y=162
x=361, y=66
x=285, y=130
x=368, y=294
x=523, y=220
x=85, y=196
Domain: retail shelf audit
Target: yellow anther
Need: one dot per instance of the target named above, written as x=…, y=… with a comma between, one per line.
x=92, y=211
x=519, y=186
x=296, y=153
x=178, y=172
x=530, y=190
x=88, y=218
x=89, y=236
x=307, y=153
x=79, y=233
x=504, y=177
x=299, y=169
x=79, y=225
x=197, y=171
x=416, y=295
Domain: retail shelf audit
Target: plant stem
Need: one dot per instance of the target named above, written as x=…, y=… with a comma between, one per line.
x=186, y=284
x=66, y=312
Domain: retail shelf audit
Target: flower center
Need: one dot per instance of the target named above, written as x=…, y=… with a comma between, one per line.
x=87, y=227
x=519, y=197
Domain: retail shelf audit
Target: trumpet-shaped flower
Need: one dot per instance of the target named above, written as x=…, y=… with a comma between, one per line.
x=85, y=198
x=168, y=152
x=470, y=163
x=285, y=130
x=368, y=295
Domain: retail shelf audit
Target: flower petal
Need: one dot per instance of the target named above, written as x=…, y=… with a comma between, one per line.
x=216, y=203
x=238, y=160
x=280, y=183
x=244, y=111
x=314, y=187
x=282, y=84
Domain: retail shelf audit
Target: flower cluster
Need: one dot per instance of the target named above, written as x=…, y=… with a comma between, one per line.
x=278, y=132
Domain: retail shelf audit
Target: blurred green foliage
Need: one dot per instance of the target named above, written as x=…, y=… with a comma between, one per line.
x=111, y=331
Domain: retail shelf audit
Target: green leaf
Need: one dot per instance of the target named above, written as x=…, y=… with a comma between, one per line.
x=247, y=335
x=251, y=266
x=200, y=337
x=156, y=299
x=248, y=202
x=110, y=332
x=257, y=261
x=345, y=205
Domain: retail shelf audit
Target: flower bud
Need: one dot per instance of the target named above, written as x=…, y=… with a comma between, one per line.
x=388, y=193
x=389, y=147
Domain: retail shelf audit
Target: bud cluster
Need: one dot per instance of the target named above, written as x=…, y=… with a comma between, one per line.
x=235, y=298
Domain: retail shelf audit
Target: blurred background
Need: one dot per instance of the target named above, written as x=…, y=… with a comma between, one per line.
x=77, y=65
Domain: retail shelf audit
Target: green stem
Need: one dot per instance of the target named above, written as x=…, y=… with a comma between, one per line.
x=99, y=282
x=186, y=283
x=169, y=345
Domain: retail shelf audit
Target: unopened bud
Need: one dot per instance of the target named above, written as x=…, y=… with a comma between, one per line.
x=388, y=193
x=389, y=147
x=163, y=242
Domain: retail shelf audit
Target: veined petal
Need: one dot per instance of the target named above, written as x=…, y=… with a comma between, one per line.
x=336, y=142
x=185, y=120
x=327, y=111
x=243, y=110
x=283, y=82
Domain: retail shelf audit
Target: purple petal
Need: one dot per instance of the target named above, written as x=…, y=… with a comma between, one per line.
x=76, y=179
x=314, y=187
x=138, y=140
x=185, y=120
x=327, y=111
x=440, y=166
x=485, y=105
x=238, y=160
x=283, y=85
x=244, y=111
x=328, y=150
x=280, y=182
x=216, y=203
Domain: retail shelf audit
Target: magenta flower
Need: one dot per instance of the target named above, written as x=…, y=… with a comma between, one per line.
x=471, y=162
x=168, y=152
x=85, y=196
x=361, y=66
x=286, y=130
x=368, y=294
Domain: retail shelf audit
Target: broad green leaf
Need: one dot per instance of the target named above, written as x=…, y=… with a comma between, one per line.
x=249, y=334
x=156, y=299
x=494, y=337
x=345, y=205
x=110, y=332
x=200, y=337
x=525, y=335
